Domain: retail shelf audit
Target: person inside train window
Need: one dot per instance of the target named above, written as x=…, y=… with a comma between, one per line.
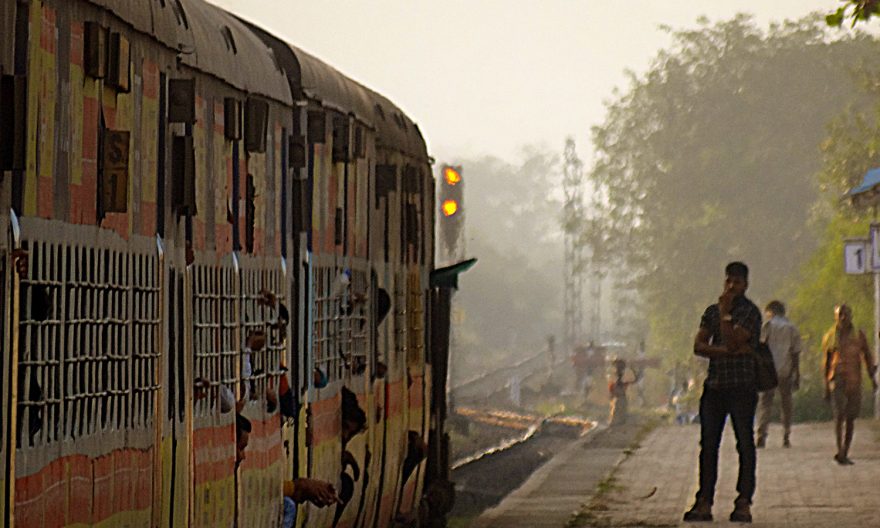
x=281, y=315
x=354, y=419
x=40, y=311
x=242, y=436
x=300, y=490
x=255, y=341
x=283, y=397
x=416, y=451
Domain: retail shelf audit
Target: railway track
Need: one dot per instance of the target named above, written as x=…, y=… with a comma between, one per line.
x=525, y=442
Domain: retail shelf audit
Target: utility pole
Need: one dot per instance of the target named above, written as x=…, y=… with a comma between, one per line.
x=573, y=214
x=596, y=299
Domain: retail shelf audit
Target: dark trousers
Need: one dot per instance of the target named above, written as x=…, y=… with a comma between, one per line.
x=715, y=405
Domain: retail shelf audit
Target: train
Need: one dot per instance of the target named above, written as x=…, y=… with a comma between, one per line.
x=175, y=180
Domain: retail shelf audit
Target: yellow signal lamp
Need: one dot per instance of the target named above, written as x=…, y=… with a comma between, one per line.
x=451, y=176
x=449, y=207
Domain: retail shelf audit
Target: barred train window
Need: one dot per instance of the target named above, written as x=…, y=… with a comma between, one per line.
x=258, y=315
x=340, y=326
x=216, y=322
x=88, y=328
x=214, y=329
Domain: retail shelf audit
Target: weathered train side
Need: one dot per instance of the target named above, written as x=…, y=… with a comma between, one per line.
x=164, y=164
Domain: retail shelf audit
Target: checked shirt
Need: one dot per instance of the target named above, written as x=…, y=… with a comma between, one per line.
x=732, y=371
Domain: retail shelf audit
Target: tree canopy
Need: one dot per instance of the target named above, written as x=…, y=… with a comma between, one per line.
x=855, y=10
x=712, y=155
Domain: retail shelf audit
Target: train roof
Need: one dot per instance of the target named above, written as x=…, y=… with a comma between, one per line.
x=324, y=83
x=210, y=40
x=397, y=131
x=313, y=79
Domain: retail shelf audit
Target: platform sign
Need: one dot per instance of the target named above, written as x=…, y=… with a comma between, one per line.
x=855, y=256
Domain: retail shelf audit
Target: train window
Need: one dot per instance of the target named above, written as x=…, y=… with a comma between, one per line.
x=95, y=50
x=411, y=225
x=183, y=174
x=13, y=90
x=182, y=101
x=88, y=331
x=341, y=139
x=250, y=213
x=296, y=152
x=386, y=180
x=119, y=63
x=338, y=228
x=340, y=329
x=325, y=325
x=360, y=142
x=229, y=39
x=316, y=126
x=232, y=118
x=264, y=314
x=214, y=343
x=357, y=330
x=256, y=123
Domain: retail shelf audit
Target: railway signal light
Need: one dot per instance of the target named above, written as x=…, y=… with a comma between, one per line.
x=450, y=200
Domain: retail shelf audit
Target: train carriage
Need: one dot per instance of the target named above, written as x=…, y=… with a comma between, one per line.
x=166, y=167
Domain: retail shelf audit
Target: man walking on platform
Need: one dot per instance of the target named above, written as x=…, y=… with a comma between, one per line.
x=845, y=347
x=728, y=337
x=785, y=343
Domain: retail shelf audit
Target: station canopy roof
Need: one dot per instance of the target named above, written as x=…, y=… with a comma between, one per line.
x=867, y=193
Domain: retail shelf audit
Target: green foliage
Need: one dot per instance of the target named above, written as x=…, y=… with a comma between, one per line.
x=851, y=148
x=711, y=157
x=856, y=10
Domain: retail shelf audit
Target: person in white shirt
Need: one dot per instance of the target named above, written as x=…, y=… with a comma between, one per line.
x=784, y=341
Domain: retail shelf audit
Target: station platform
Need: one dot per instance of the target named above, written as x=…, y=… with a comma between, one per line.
x=604, y=480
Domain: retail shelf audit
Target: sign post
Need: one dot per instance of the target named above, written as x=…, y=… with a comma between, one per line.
x=875, y=267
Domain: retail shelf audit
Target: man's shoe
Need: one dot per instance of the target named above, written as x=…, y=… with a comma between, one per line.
x=700, y=512
x=762, y=441
x=742, y=512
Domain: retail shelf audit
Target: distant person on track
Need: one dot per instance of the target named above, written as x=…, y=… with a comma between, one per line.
x=619, y=412
x=728, y=337
x=784, y=341
x=582, y=361
x=845, y=347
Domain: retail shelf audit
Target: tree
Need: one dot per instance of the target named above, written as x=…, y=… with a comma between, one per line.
x=711, y=157
x=856, y=10
x=851, y=148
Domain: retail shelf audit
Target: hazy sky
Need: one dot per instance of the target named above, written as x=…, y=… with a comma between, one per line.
x=490, y=76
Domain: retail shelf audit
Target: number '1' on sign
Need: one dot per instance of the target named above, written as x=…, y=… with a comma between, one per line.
x=855, y=256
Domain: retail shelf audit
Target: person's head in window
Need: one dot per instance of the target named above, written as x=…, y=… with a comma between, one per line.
x=242, y=436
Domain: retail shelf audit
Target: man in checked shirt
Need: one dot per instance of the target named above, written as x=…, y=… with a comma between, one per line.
x=728, y=336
